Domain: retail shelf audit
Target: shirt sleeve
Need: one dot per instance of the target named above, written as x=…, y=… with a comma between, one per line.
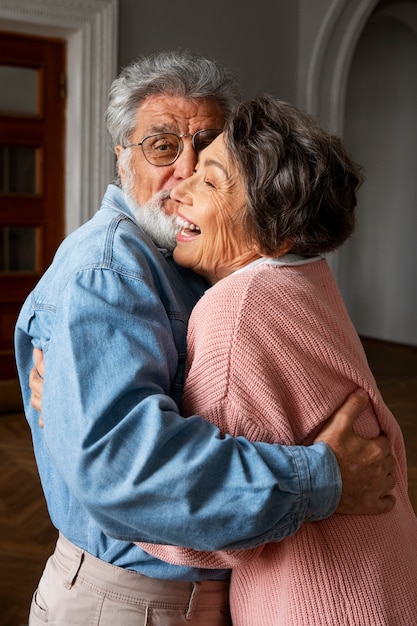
x=143, y=472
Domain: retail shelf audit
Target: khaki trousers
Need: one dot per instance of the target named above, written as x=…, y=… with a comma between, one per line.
x=77, y=589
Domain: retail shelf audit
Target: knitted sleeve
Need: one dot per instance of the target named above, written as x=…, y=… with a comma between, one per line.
x=222, y=559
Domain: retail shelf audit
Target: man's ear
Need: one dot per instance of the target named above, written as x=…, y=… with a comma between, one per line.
x=118, y=150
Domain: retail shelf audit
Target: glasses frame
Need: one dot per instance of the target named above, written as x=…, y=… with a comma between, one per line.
x=180, y=143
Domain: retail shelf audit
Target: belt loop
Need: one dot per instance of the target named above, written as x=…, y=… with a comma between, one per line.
x=72, y=574
x=192, y=605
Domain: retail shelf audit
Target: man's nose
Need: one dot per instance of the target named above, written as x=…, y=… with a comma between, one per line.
x=187, y=160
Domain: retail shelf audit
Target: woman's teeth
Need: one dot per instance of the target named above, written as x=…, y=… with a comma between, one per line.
x=185, y=225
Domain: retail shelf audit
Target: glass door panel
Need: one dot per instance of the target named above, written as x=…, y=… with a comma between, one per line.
x=18, y=173
x=21, y=95
x=18, y=249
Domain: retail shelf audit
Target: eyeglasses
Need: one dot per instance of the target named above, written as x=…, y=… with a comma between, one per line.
x=164, y=148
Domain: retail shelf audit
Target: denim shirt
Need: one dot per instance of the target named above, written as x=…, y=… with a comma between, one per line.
x=116, y=460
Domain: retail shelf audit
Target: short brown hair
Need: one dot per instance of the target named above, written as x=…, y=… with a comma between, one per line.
x=300, y=182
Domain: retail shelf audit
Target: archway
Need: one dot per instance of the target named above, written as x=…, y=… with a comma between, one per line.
x=362, y=82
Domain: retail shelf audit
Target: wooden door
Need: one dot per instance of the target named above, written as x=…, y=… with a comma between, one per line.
x=32, y=108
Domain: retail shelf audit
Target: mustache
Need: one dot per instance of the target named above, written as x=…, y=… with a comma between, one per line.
x=158, y=199
x=165, y=195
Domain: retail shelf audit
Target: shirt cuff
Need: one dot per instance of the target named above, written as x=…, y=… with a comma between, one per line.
x=325, y=481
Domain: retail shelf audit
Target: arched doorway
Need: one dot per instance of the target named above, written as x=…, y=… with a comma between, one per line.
x=361, y=81
x=377, y=267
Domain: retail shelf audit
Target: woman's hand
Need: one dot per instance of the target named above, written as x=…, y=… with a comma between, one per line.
x=36, y=382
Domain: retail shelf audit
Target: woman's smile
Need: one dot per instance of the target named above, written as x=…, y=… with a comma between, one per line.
x=188, y=231
x=211, y=240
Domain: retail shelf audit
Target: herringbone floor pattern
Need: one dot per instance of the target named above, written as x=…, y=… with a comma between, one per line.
x=27, y=536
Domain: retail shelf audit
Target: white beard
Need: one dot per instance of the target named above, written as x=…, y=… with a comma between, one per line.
x=151, y=216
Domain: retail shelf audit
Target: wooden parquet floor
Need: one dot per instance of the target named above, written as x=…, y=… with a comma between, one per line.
x=27, y=537
x=395, y=369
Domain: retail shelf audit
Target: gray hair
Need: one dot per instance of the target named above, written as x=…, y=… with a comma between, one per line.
x=176, y=73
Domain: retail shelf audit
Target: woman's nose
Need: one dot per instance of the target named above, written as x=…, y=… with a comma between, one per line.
x=178, y=192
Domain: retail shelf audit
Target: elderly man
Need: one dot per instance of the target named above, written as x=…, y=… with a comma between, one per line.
x=117, y=461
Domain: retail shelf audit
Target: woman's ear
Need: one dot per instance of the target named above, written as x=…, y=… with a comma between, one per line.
x=285, y=247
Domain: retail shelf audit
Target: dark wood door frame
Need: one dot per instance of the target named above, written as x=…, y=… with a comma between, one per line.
x=44, y=209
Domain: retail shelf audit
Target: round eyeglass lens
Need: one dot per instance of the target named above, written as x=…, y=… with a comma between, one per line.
x=161, y=149
x=203, y=138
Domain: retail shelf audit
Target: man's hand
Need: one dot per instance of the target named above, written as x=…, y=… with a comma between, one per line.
x=36, y=382
x=366, y=465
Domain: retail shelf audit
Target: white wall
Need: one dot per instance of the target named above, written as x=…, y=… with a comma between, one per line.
x=257, y=40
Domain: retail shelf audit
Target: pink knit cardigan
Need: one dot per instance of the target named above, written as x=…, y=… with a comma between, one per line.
x=272, y=351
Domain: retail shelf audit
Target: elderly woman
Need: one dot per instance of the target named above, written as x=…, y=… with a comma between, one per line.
x=272, y=350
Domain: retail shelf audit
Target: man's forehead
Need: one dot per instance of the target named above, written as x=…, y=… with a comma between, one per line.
x=171, y=113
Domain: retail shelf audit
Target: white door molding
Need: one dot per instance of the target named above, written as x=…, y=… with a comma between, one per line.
x=90, y=28
x=331, y=56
